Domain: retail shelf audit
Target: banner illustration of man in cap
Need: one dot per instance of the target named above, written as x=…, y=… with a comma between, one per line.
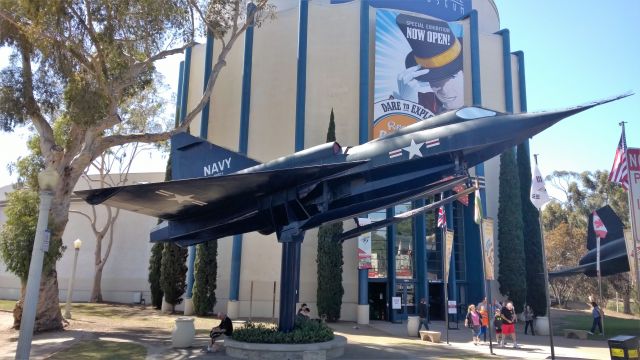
x=418, y=69
x=433, y=66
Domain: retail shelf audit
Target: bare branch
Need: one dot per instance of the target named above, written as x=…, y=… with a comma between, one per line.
x=88, y=26
x=139, y=67
x=81, y=213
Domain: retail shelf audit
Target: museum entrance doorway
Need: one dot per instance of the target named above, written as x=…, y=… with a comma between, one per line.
x=378, y=301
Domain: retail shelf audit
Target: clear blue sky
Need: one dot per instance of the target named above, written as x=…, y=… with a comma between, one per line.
x=575, y=51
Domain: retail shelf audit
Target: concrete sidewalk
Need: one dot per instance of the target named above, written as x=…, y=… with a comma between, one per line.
x=531, y=347
x=379, y=340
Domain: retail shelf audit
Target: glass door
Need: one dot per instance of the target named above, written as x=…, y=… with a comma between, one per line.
x=406, y=291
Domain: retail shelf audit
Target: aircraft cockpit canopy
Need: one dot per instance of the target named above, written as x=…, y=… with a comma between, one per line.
x=469, y=113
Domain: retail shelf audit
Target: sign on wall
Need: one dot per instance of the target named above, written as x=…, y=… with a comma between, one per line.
x=396, y=303
x=441, y=9
x=418, y=70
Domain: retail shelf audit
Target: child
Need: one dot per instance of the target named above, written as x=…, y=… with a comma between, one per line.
x=497, y=324
x=485, y=321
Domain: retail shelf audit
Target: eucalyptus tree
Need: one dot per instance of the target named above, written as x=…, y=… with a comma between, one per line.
x=84, y=61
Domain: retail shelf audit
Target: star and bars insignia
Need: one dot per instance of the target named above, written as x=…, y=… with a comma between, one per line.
x=181, y=198
x=414, y=148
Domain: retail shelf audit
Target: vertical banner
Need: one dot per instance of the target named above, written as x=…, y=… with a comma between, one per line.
x=418, y=70
x=632, y=255
x=489, y=249
x=633, y=158
x=447, y=254
x=364, y=246
x=633, y=161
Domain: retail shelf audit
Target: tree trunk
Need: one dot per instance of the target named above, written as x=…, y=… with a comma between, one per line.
x=96, y=292
x=48, y=314
x=626, y=301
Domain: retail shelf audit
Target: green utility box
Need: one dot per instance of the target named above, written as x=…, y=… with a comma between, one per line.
x=624, y=347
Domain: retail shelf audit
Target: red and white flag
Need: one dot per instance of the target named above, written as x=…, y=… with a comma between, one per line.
x=598, y=226
x=601, y=233
x=442, y=217
x=619, y=171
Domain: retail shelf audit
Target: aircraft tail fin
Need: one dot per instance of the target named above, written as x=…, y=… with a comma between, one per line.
x=194, y=157
x=615, y=227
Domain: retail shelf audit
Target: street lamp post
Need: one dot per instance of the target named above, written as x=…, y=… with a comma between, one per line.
x=47, y=180
x=67, y=308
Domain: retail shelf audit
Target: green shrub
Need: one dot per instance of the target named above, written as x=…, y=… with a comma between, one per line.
x=304, y=332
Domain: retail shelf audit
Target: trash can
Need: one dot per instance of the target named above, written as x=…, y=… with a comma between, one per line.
x=413, y=323
x=624, y=347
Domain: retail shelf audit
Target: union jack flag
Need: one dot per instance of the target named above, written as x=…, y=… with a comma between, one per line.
x=619, y=171
x=442, y=217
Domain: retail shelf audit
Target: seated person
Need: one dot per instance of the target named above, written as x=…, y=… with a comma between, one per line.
x=304, y=313
x=225, y=328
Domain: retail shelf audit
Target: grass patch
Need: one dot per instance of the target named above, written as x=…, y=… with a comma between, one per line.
x=7, y=305
x=99, y=349
x=612, y=326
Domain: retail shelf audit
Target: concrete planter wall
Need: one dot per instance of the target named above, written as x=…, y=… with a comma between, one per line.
x=316, y=351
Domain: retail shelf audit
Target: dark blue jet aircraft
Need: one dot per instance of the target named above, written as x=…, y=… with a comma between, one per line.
x=325, y=183
x=613, y=251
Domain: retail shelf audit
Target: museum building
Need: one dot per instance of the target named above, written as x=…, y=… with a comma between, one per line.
x=378, y=65
x=275, y=96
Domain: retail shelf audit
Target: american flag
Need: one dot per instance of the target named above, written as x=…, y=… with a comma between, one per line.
x=619, y=171
x=442, y=217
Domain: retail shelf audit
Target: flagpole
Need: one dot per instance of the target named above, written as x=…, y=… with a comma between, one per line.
x=487, y=288
x=600, y=280
x=446, y=280
x=546, y=275
x=633, y=230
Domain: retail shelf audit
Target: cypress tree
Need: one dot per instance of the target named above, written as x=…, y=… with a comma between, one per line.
x=155, y=263
x=329, y=259
x=532, y=239
x=512, y=274
x=173, y=273
x=206, y=271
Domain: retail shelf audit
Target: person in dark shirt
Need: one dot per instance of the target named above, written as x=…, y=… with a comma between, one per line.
x=224, y=328
x=497, y=324
x=423, y=311
x=509, y=324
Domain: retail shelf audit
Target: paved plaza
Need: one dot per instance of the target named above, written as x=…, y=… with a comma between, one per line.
x=379, y=340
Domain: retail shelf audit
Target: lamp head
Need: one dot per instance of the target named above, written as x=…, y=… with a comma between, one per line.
x=48, y=179
x=77, y=244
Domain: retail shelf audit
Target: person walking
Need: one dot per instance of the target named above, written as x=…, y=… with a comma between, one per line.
x=528, y=320
x=596, y=312
x=474, y=322
x=497, y=325
x=509, y=324
x=423, y=312
x=484, y=314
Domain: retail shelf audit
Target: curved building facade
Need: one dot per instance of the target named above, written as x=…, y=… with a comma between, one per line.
x=358, y=59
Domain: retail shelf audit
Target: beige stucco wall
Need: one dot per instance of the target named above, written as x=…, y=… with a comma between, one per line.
x=126, y=269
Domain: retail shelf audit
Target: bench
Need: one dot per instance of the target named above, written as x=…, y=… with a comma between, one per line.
x=433, y=336
x=576, y=334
